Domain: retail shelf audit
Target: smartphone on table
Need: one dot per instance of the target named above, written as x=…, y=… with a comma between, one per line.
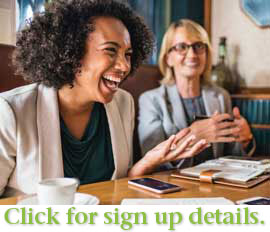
x=154, y=185
x=254, y=201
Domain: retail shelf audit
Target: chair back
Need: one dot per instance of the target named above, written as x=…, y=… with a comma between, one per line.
x=8, y=80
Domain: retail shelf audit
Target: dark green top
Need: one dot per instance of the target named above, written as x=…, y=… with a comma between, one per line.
x=91, y=158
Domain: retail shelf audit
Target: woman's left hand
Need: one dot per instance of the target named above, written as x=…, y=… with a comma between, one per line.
x=244, y=135
x=168, y=151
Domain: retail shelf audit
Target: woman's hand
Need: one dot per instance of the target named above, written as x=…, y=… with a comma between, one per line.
x=215, y=129
x=168, y=151
x=244, y=135
x=171, y=149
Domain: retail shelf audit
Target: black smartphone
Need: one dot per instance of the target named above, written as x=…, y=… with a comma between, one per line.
x=255, y=201
x=201, y=117
x=228, y=120
x=154, y=185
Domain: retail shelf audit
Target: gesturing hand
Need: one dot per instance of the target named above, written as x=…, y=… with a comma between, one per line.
x=176, y=147
x=168, y=150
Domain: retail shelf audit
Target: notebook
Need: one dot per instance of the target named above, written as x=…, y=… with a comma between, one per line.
x=227, y=172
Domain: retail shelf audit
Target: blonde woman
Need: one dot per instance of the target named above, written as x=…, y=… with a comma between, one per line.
x=186, y=94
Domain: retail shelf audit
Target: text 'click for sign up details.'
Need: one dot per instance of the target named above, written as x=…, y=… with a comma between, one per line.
x=135, y=218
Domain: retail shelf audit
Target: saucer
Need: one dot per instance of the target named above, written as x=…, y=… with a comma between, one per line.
x=79, y=199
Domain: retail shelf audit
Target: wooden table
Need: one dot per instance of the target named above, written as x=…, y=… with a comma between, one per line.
x=112, y=192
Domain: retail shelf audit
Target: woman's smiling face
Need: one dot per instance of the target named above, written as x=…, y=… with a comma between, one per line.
x=107, y=60
x=191, y=65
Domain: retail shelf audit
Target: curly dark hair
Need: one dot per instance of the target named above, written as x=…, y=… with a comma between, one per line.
x=50, y=47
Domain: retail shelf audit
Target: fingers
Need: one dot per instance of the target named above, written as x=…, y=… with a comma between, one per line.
x=242, y=123
x=241, y=140
x=202, y=148
x=229, y=132
x=158, y=154
x=221, y=117
x=244, y=138
x=182, y=134
x=180, y=148
x=179, y=137
x=244, y=130
x=198, y=147
x=225, y=124
x=195, y=149
x=166, y=145
x=225, y=139
x=236, y=113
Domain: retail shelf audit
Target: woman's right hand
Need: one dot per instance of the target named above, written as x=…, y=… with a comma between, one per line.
x=215, y=129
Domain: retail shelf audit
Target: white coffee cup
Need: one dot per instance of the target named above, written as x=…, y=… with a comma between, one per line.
x=57, y=191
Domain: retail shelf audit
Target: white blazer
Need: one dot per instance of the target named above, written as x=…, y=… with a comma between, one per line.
x=30, y=143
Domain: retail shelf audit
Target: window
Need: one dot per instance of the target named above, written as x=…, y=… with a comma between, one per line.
x=159, y=14
x=26, y=9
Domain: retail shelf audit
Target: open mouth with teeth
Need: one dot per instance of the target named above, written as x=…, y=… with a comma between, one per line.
x=111, y=82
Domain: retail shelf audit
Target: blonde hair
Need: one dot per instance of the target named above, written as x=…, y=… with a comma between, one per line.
x=195, y=30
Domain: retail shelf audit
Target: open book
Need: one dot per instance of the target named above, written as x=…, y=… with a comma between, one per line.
x=225, y=170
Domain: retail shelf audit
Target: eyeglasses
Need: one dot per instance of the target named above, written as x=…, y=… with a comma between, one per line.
x=182, y=48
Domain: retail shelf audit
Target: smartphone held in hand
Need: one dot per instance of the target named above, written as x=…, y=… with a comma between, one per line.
x=154, y=185
x=202, y=117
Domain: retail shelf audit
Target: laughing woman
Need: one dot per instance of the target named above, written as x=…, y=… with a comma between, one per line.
x=73, y=121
